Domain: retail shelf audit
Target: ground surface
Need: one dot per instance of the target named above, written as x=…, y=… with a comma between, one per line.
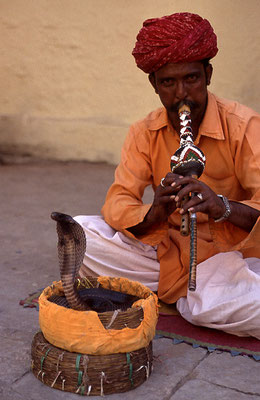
x=29, y=193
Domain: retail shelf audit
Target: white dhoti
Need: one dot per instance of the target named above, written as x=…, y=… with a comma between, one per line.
x=111, y=253
x=227, y=296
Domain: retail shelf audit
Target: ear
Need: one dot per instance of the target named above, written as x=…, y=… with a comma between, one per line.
x=208, y=71
x=153, y=81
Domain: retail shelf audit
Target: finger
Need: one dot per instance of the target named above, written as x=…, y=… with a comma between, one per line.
x=192, y=187
x=197, y=208
x=171, y=175
x=192, y=205
x=163, y=195
x=208, y=206
x=181, y=181
x=165, y=190
x=166, y=199
x=170, y=178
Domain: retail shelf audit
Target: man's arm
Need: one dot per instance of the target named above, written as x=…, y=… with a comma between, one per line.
x=243, y=216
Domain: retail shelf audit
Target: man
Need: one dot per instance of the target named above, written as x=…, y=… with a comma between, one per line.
x=143, y=242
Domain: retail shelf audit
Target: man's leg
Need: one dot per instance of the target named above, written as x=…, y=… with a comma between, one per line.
x=111, y=253
x=227, y=296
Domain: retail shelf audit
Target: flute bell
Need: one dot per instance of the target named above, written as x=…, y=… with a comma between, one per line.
x=188, y=160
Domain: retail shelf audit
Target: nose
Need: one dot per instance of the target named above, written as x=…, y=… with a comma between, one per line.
x=181, y=92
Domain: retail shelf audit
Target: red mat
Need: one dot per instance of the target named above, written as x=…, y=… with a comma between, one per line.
x=177, y=328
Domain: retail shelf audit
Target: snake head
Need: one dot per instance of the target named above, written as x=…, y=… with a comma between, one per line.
x=65, y=224
x=69, y=230
x=71, y=251
x=60, y=217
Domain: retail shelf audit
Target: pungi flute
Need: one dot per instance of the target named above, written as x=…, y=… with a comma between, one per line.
x=188, y=160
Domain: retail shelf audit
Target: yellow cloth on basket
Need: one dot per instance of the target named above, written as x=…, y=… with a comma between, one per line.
x=83, y=332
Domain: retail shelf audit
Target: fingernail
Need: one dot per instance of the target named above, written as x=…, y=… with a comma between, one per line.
x=173, y=184
x=181, y=211
x=172, y=197
x=176, y=198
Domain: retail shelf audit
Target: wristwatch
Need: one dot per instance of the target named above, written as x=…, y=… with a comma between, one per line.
x=228, y=210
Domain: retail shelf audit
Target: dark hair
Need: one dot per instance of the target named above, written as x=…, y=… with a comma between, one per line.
x=205, y=62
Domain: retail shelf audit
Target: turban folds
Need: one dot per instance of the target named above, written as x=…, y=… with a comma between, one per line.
x=180, y=37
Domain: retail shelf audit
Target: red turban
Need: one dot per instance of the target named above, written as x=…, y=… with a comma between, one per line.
x=180, y=37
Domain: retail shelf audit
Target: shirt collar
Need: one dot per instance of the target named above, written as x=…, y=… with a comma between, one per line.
x=211, y=123
x=210, y=126
x=158, y=119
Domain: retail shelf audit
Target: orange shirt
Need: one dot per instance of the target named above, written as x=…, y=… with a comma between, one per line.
x=229, y=138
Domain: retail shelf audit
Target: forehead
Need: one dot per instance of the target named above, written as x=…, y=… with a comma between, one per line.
x=179, y=69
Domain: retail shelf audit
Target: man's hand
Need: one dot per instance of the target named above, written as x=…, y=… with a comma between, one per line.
x=207, y=202
x=163, y=205
x=203, y=199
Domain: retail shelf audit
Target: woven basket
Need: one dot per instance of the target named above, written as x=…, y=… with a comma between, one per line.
x=88, y=374
x=94, y=333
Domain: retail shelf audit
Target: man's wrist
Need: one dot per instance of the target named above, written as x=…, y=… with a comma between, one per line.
x=227, y=209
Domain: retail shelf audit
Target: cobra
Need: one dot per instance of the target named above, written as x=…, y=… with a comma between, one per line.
x=71, y=250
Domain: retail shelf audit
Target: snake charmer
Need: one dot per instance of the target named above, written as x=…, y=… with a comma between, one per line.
x=143, y=242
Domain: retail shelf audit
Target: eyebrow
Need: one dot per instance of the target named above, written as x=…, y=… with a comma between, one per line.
x=168, y=75
x=195, y=72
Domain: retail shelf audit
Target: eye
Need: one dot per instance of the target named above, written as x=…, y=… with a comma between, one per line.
x=191, y=78
x=167, y=81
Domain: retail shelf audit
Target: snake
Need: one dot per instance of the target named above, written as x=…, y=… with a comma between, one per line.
x=71, y=250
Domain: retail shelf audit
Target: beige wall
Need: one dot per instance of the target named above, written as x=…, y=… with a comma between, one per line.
x=69, y=84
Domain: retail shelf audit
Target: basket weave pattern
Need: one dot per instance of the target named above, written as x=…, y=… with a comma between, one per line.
x=86, y=374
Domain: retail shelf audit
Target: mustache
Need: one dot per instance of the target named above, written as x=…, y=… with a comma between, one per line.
x=175, y=107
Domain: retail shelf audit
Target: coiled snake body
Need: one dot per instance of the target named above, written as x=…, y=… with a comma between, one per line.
x=71, y=250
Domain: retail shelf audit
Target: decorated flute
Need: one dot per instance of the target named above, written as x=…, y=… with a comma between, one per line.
x=188, y=160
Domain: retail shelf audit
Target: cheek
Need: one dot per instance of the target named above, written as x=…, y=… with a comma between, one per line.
x=166, y=97
x=200, y=90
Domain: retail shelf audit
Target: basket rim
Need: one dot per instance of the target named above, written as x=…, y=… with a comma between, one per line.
x=97, y=339
x=80, y=284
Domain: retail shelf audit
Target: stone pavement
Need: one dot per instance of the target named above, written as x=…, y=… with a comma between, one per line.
x=28, y=195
